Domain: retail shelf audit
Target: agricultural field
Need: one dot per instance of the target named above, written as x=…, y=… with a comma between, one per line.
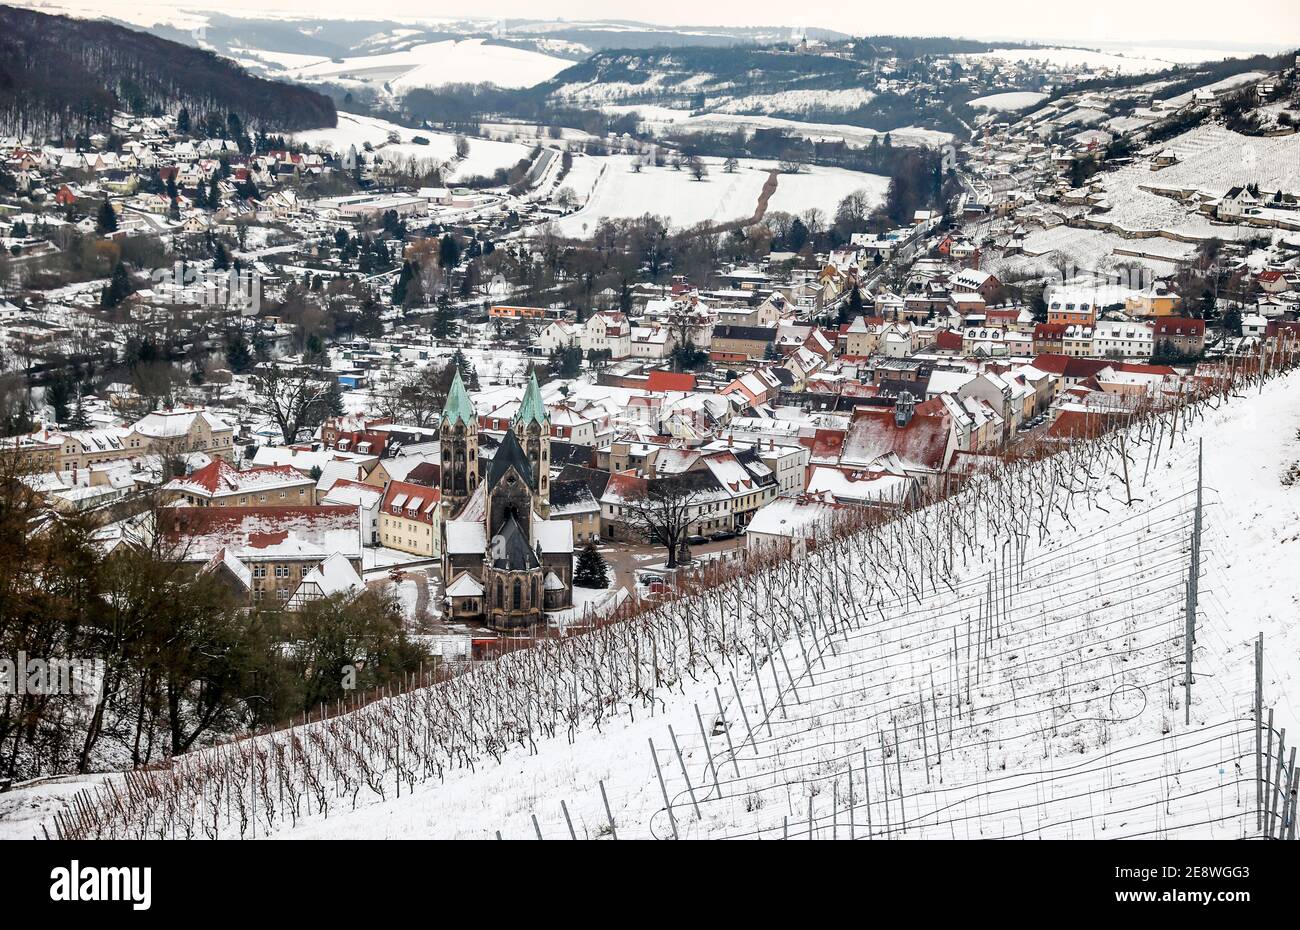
x=485, y=155
x=434, y=64
x=1012, y=100
x=621, y=192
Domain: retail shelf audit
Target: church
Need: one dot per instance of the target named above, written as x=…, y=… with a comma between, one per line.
x=504, y=563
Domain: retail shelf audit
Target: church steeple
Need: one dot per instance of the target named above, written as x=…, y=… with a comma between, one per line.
x=532, y=409
x=532, y=425
x=458, y=406
x=459, y=453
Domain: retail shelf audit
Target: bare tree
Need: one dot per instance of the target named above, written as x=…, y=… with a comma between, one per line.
x=296, y=399
x=664, y=510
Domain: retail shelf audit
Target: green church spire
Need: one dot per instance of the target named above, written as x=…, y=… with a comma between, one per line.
x=458, y=406
x=532, y=409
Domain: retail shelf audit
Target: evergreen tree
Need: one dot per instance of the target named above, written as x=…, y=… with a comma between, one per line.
x=852, y=308
x=221, y=258
x=239, y=355
x=591, y=571
x=57, y=394
x=79, y=419
x=444, y=319
x=106, y=221
x=401, y=288
x=183, y=120
x=334, y=400
x=117, y=290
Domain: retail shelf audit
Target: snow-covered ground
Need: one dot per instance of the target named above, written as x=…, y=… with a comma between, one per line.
x=659, y=119
x=1210, y=159
x=485, y=155
x=1006, y=664
x=1075, y=58
x=433, y=64
x=1011, y=100
x=608, y=188
x=823, y=188
x=622, y=192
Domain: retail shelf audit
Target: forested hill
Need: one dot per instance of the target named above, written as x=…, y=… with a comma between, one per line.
x=61, y=76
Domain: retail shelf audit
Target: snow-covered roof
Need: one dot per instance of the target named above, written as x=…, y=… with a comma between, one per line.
x=466, y=585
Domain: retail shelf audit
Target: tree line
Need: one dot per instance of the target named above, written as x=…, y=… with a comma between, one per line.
x=63, y=76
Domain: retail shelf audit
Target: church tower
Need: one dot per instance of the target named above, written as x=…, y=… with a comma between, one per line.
x=532, y=426
x=459, y=452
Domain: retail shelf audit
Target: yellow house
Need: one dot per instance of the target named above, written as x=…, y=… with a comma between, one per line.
x=410, y=519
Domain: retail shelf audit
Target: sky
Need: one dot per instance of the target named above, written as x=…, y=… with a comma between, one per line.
x=1216, y=23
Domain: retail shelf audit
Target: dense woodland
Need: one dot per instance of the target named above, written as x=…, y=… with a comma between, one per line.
x=61, y=77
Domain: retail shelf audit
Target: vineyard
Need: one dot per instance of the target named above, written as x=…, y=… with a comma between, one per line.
x=1093, y=640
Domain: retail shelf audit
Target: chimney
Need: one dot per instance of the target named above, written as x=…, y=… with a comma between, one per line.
x=903, y=409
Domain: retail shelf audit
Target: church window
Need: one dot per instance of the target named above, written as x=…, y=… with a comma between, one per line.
x=518, y=595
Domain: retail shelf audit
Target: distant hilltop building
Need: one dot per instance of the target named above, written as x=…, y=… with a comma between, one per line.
x=504, y=562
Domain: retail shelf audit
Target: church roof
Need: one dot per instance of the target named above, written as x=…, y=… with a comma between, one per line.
x=512, y=552
x=458, y=406
x=532, y=409
x=511, y=453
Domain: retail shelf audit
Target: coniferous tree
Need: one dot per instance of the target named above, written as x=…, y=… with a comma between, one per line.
x=239, y=355
x=78, y=418
x=117, y=290
x=106, y=221
x=591, y=571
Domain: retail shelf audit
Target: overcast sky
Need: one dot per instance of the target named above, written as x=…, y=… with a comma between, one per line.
x=1217, y=23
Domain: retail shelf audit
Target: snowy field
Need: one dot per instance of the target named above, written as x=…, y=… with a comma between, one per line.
x=1012, y=100
x=661, y=119
x=1062, y=58
x=485, y=155
x=823, y=189
x=1009, y=663
x=623, y=193
x=608, y=188
x=433, y=64
x=797, y=101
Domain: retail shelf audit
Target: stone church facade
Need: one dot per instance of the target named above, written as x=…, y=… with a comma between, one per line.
x=504, y=563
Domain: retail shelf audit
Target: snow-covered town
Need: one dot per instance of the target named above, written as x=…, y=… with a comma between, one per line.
x=899, y=434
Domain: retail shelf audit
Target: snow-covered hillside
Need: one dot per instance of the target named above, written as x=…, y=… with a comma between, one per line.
x=485, y=155
x=433, y=64
x=609, y=188
x=1007, y=662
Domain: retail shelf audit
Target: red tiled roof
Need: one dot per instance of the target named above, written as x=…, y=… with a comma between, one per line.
x=658, y=380
x=922, y=442
x=220, y=476
x=404, y=492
